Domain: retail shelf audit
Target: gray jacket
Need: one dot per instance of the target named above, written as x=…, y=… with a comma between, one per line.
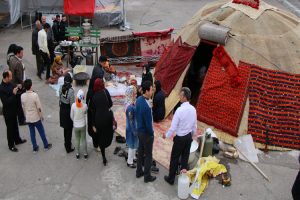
x=17, y=70
x=69, y=99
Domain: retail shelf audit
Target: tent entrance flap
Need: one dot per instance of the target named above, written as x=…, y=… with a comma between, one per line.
x=172, y=64
x=198, y=68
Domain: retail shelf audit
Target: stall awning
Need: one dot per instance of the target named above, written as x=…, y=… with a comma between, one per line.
x=79, y=7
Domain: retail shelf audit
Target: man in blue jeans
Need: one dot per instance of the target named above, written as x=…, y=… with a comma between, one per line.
x=33, y=111
x=145, y=133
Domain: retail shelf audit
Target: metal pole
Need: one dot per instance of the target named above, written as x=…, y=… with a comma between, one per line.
x=125, y=25
x=254, y=165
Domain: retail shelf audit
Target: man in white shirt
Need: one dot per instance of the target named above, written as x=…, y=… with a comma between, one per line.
x=50, y=38
x=44, y=51
x=184, y=124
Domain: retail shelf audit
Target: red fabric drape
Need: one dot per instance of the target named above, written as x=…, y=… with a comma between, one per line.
x=229, y=66
x=251, y=3
x=172, y=63
x=153, y=33
x=79, y=7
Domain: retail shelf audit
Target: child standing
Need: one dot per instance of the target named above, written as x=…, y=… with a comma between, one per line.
x=78, y=115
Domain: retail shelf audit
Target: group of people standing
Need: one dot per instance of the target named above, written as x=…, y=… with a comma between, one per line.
x=30, y=105
x=73, y=112
x=20, y=103
x=140, y=110
x=140, y=133
x=140, y=114
x=97, y=109
x=44, y=40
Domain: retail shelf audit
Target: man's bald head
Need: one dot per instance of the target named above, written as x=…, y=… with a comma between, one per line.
x=7, y=76
x=43, y=20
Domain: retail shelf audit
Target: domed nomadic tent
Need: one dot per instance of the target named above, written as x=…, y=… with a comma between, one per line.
x=243, y=69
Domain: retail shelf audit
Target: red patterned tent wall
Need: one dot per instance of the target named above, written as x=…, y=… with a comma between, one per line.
x=274, y=106
x=224, y=93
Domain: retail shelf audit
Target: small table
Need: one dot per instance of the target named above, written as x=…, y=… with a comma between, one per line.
x=68, y=50
x=78, y=32
x=94, y=48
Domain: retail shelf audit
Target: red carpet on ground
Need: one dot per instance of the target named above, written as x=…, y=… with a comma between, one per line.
x=274, y=106
x=224, y=93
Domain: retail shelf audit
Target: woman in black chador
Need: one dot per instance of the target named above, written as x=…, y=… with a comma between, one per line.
x=66, y=99
x=102, y=116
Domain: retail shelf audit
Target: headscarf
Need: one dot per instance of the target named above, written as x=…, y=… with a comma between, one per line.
x=11, y=49
x=157, y=86
x=79, y=98
x=67, y=84
x=98, y=85
x=57, y=60
x=129, y=95
x=57, y=63
x=133, y=82
x=147, y=68
x=10, y=52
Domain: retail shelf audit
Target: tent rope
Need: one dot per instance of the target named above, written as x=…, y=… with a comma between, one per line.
x=260, y=54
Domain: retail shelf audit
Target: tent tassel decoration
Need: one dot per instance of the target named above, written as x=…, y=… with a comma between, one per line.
x=251, y=3
x=229, y=66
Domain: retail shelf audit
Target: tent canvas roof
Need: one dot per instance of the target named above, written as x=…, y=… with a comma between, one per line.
x=267, y=37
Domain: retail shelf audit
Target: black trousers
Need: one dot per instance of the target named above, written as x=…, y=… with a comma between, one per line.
x=68, y=138
x=145, y=149
x=296, y=188
x=21, y=115
x=13, y=135
x=181, y=148
x=47, y=63
x=39, y=63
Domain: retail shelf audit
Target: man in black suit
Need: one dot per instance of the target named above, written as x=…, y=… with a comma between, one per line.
x=8, y=97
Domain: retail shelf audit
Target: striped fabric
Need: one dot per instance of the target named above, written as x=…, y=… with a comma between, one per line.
x=274, y=114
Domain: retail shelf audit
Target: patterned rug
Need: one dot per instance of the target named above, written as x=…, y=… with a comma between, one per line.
x=274, y=106
x=161, y=147
x=224, y=93
x=120, y=46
